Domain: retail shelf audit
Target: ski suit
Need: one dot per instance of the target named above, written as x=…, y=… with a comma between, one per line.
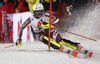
x=41, y=29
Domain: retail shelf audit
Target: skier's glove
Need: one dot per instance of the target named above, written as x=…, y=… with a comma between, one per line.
x=69, y=9
x=46, y=25
x=18, y=42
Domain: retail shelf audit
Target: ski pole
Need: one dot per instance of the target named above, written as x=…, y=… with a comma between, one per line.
x=76, y=34
x=9, y=46
x=81, y=36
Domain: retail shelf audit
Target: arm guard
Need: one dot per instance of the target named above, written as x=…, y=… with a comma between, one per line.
x=46, y=25
x=23, y=26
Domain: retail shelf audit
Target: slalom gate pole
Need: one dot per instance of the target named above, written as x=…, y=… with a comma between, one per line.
x=76, y=34
x=50, y=25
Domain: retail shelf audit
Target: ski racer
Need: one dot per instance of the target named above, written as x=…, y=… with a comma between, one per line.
x=39, y=22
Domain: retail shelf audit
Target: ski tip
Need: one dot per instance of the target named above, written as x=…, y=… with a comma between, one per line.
x=91, y=54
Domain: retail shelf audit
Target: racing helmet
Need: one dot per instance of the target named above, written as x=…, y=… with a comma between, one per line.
x=38, y=9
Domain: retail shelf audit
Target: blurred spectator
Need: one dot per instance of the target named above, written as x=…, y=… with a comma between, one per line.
x=79, y=3
x=22, y=6
x=93, y=1
x=31, y=3
x=14, y=2
x=69, y=2
x=46, y=4
x=8, y=7
x=74, y=4
x=67, y=5
x=98, y=0
x=1, y=1
x=70, y=6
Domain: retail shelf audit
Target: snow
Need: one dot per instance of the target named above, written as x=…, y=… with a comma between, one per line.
x=37, y=52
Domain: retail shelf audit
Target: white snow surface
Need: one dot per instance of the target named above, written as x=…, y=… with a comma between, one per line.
x=37, y=52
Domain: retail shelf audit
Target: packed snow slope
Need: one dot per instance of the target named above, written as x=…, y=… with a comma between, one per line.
x=37, y=53
x=86, y=24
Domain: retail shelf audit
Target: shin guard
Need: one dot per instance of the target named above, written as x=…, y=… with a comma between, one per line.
x=53, y=44
x=68, y=43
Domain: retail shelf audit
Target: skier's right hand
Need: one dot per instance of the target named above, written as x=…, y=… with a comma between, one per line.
x=18, y=42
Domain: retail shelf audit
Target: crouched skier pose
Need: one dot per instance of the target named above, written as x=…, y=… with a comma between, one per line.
x=41, y=28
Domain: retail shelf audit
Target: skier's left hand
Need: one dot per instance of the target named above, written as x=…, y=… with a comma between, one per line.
x=18, y=42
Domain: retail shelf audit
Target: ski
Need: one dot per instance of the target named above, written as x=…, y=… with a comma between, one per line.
x=88, y=54
x=75, y=54
x=82, y=50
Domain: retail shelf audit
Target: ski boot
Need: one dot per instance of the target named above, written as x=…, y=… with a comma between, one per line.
x=73, y=53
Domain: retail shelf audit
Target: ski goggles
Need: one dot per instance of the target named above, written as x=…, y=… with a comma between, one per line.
x=38, y=12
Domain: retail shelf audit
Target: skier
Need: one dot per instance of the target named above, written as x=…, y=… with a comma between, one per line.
x=39, y=23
